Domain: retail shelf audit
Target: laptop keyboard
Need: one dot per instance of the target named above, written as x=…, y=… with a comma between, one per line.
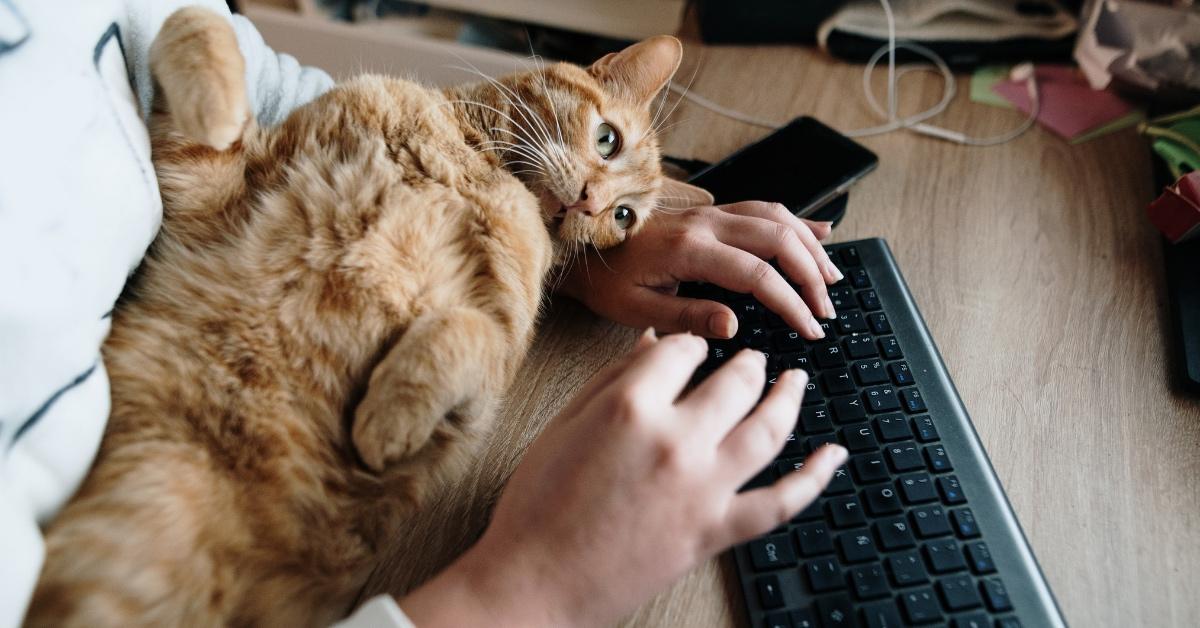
x=893, y=540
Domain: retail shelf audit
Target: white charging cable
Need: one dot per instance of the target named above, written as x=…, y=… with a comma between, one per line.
x=916, y=122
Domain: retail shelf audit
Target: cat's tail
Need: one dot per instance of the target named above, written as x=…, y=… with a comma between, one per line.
x=201, y=74
x=433, y=392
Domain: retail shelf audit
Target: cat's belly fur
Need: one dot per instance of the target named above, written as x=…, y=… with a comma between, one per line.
x=284, y=272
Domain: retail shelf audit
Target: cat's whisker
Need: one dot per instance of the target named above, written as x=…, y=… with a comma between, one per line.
x=601, y=256
x=687, y=87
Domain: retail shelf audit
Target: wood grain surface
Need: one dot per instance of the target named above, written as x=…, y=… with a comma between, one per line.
x=1042, y=284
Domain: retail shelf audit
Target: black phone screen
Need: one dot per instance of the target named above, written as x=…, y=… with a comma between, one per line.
x=803, y=165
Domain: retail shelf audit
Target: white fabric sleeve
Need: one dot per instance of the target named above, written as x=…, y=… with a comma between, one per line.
x=380, y=611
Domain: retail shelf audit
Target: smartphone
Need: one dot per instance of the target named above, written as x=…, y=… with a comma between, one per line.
x=804, y=166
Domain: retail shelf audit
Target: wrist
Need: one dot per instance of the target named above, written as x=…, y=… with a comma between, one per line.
x=495, y=587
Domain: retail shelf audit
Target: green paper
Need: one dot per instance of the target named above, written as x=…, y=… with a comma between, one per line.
x=982, y=81
x=1125, y=121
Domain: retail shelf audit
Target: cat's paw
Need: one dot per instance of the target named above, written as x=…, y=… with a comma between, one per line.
x=384, y=435
x=200, y=70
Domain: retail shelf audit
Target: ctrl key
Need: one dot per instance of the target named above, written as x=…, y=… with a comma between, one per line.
x=772, y=552
x=769, y=593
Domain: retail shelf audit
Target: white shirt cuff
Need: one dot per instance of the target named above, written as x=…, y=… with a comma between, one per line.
x=380, y=611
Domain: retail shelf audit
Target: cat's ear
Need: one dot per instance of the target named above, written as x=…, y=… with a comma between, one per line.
x=679, y=195
x=641, y=70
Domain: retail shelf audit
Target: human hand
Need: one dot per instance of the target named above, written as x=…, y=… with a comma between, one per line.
x=635, y=282
x=627, y=489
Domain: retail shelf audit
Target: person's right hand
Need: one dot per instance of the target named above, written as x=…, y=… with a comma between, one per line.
x=632, y=485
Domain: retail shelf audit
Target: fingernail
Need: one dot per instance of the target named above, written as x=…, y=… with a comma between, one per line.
x=815, y=328
x=837, y=456
x=799, y=378
x=649, y=333
x=759, y=355
x=834, y=272
x=829, y=311
x=722, y=325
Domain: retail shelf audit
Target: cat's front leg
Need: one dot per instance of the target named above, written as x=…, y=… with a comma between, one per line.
x=433, y=393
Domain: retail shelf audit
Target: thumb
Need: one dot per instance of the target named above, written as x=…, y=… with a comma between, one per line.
x=671, y=313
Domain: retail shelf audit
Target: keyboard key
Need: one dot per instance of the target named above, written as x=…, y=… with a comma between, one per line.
x=892, y=427
x=912, y=400
x=921, y=606
x=749, y=314
x=964, y=523
x=820, y=440
x=890, y=349
x=917, y=488
x=812, y=393
x=996, y=595
x=838, y=382
x=881, y=399
x=869, y=300
x=769, y=593
x=1008, y=622
x=849, y=409
x=951, y=491
x=859, y=279
x=870, y=372
x=718, y=352
x=878, y=322
x=784, y=467
x=815, y=420
x=794, y=445
x=851, y=323
x=802, y=618
x=840, y=483
x=894, y=534
x=974, y=620
x=930, y=521
x=859, y=347
x=944, y=556
x=755, y=337
x=868, y=582
x=824, y=574
x=926, y=432
x=772, y=552
x=907, y=569
x=850, y=258
x=842, y=298
x=859, y=438
x=901, y=376
x=829, y=356
x=814, y=540
x=786, y=340
x=880, y=615
x=829, y=328
x=795, y=360
x=856, y=546
x=835, y=611
x=904, y=457
x=958, y=593
x=881, y=500
x=777, y=620
x=869, y=468
x=939, y=461
x=979, y=558
x=846, y=512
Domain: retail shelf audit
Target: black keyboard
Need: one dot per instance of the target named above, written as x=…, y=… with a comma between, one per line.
x=915, y=528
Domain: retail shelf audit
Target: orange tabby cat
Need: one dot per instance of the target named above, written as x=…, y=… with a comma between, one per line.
x=322, y=327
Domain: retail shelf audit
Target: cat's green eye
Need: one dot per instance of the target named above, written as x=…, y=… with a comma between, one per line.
x=624, y=217
x=607, y=140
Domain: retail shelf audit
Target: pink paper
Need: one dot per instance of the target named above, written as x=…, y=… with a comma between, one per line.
x=1069, y=106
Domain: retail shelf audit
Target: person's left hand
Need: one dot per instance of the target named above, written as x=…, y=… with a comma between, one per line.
x=635, y=282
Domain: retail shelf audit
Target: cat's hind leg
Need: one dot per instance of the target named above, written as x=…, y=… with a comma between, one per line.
x=433, y=391
x=202, y=76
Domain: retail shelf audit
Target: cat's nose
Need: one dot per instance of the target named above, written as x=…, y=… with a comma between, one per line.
x=584, y=204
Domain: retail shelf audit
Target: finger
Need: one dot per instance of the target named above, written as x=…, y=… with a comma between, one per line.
x=749, y=445
x=771, y=240
x=657, y=375
x=759, y=511
x=781, y=214
x=821, y=228
x=741, y=271
x=605, y=376
x=673, y=313
x=725, y=396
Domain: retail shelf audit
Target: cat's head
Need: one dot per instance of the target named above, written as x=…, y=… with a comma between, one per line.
x=585, y=140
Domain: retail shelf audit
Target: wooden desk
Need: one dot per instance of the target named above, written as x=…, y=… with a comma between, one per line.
x=1042, y=285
